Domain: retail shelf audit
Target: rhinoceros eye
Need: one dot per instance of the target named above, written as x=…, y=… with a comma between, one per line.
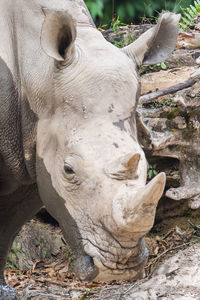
x=68, y=169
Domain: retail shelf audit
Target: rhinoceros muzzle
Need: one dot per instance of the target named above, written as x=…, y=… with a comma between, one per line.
x=127, y=264
x=132, y=216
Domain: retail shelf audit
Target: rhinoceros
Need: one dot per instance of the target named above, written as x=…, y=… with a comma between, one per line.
x=68, y=137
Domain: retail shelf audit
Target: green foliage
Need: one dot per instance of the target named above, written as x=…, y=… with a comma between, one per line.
x=116, y=23
x=15, y=248
x=130, y=39
x=153, y=68
x=95, y=8
x=11, y=264
x=70, y=258
x=159, y=104
x=45, y=254
x=168, y=102
x=162, y=65
x=188, y=15
x=119, y=44
x=129, y=11
x=12, y=256
x=152, y=171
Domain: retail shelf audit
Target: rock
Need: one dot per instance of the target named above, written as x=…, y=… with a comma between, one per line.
x=125, y=35
x=182, y=58
x=54, y=293
x=157, y=124
x=179, y=123
x=35, y=242
x=7, y=293
x=163, y=79
x=170, y=127
x=176, y=278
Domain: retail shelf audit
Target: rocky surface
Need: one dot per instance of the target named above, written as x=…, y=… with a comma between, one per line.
x=176, y=279
x=172, y=126
x=36, y=242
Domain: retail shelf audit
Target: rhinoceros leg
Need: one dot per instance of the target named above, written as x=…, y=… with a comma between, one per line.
x=15, y=210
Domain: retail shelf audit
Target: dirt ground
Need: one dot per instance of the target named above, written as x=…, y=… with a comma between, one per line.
x=172, y=272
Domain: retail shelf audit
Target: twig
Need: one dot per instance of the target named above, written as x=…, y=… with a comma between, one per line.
x=128, y=290
x=147, y=98
x=58, y=283
x=196, y=237
x=196, y=228
x=101, y=296
x=167, y=234
x=163, y=253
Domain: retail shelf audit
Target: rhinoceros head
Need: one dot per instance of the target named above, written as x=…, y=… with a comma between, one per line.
x=91, y=170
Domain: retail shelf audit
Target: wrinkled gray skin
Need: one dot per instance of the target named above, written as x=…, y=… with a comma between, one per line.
x=68, y=136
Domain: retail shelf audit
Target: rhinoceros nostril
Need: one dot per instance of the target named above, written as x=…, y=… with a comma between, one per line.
x=85, y=268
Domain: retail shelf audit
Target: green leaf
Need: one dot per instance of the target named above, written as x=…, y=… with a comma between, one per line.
x=186, y=21
x=197, y=6
x=151, y=68
x=95, y=8
x=190, y=12
x=163, y=66
x=155, y=172
x=194, y=9
x=190, y=18
x=183, y=26
x=150, y=174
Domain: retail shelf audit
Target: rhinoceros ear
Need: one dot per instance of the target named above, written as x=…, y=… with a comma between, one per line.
x=58, y=34
x=156, y=44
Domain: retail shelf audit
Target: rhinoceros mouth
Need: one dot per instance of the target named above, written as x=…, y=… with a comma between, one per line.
x=122, y=272
x=118, y=267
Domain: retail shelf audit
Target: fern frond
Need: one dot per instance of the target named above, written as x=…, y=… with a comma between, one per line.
x=190, y=11
x=186, y=21
x=194, y=10
x=197, y=6
x=183, y=26
x=188, y=15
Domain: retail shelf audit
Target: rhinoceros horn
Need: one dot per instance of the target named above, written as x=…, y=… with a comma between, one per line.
x=133, y=162
x=134, y=208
